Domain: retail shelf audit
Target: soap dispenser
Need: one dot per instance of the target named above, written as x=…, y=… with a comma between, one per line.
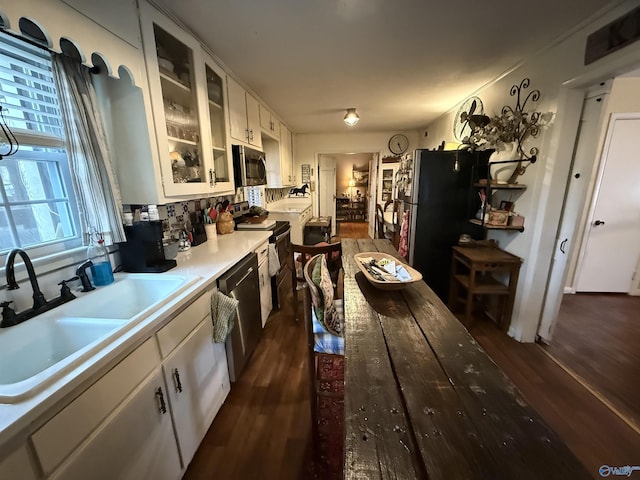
x=101, y=270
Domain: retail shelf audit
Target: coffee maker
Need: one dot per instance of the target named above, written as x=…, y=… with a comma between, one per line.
x=143, y=251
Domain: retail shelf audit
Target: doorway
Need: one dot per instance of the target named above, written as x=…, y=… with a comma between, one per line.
x=590, y=334
x=346, y=189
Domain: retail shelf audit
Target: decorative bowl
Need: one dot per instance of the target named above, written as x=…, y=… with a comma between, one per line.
x=385, y=284
x=250, y=218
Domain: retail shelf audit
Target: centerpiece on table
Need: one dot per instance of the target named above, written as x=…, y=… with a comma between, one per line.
x=506, y=134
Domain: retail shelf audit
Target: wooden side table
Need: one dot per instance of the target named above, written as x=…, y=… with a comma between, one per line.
x=472, y=268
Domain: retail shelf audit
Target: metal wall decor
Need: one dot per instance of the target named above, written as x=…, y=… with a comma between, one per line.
x=527, y=125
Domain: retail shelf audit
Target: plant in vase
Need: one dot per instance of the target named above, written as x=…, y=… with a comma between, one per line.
x=506, y=134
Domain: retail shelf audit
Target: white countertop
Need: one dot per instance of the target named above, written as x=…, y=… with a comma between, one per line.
x=207, y=261
x=290, y=205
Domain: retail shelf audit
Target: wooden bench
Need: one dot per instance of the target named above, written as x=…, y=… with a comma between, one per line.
x=423, y=400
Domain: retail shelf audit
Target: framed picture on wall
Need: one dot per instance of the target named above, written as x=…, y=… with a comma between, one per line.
x=361, y=178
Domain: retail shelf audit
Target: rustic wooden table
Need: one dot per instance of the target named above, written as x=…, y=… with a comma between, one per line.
x=423, y=400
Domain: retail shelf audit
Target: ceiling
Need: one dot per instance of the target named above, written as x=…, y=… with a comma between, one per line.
x=401, y=63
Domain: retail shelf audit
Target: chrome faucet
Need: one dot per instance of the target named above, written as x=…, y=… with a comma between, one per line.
x=40, y=304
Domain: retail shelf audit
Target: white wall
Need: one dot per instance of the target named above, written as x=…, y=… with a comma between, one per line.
x=560, y=75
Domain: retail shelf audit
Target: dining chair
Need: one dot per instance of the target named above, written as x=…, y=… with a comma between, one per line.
x=303, y=253
x=326, y=374
x=379, y=222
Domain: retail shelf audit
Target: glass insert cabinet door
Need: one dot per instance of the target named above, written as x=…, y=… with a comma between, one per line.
x=177, y=81
x=216, y=102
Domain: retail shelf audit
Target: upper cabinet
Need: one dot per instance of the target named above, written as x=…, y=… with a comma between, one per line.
x=244, y=115
x=269, y=123
x=216, y=104
x=187, y=98
x=279, y=159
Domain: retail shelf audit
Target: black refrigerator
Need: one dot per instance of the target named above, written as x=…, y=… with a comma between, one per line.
x=440, y=201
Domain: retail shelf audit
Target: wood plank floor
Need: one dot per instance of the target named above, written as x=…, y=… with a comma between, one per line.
x=595, y=434
x=597, y=337
x=263, y=429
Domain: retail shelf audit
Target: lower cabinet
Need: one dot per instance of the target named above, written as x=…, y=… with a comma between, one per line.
x=146, y=417
x=18, y=465
x=136, y=442
x=197, y=384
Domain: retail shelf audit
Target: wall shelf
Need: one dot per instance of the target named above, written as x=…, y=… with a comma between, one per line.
x=495, y=227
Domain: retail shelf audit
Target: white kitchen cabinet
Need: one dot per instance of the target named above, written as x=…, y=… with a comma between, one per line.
x=269, y=123
x=279, y=159
x=135, y=442
x=266, y=303
x=18, y=465
x=181, y=117
x=195, y=371
x=217, y=102
x=286, y=148
x=297, y=220
x=120, y=427
x=197, y=383
x=244, y=115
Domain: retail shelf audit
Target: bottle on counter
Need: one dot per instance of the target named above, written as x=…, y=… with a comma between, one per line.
x=101, y=271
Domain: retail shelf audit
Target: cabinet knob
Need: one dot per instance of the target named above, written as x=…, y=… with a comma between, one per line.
x=160, y=398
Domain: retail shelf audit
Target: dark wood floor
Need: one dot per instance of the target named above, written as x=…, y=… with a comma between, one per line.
x=263, y=429
x=595, y=434
x=597, y=337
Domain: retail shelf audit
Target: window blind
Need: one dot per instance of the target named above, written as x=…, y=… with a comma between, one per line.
x=26, y=84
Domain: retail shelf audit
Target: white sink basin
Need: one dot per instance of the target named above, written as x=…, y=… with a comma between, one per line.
x=41, y=350
x=129, y=297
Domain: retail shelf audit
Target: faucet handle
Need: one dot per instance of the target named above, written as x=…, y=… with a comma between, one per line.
x=8, y=314
x=65, y=291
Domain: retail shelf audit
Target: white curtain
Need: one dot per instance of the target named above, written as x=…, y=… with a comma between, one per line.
x=91, y=167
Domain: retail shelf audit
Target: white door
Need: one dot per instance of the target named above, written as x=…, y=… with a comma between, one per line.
x=327, y=189
x=612, y=247
x=573, y=210
x=373, y=194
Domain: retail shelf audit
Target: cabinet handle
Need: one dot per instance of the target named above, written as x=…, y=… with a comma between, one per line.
x=176, y=380
x=245, y=276
x=246, y=134
x=563, y=244
x=251, y=134
x=212, y=177
x=160, y=397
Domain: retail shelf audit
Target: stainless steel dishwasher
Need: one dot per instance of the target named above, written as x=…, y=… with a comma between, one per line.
x=242, y=283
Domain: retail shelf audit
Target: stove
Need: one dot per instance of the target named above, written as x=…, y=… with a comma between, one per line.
x=281, y=237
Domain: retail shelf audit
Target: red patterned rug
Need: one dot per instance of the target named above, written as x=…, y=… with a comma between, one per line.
x=330, y=378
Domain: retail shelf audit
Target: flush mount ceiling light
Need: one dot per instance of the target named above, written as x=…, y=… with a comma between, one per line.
x=351, y=118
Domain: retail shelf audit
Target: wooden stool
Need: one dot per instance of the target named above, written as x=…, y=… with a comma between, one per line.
x=472, y=268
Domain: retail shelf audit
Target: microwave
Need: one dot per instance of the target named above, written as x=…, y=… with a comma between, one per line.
x=249, y=166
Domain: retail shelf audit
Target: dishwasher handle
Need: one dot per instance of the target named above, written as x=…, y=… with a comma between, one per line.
x=244, y=276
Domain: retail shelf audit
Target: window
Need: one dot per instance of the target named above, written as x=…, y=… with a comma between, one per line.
x=37, y=203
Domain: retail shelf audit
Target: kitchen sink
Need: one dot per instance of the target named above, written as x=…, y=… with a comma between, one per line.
x=129, y=297
x=41, y=350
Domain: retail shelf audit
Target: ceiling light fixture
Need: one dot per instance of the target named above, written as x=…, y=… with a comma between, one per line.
x=351, y=118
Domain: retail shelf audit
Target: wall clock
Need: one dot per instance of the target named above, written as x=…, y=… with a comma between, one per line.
x=471, y=106
x=398, y=144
